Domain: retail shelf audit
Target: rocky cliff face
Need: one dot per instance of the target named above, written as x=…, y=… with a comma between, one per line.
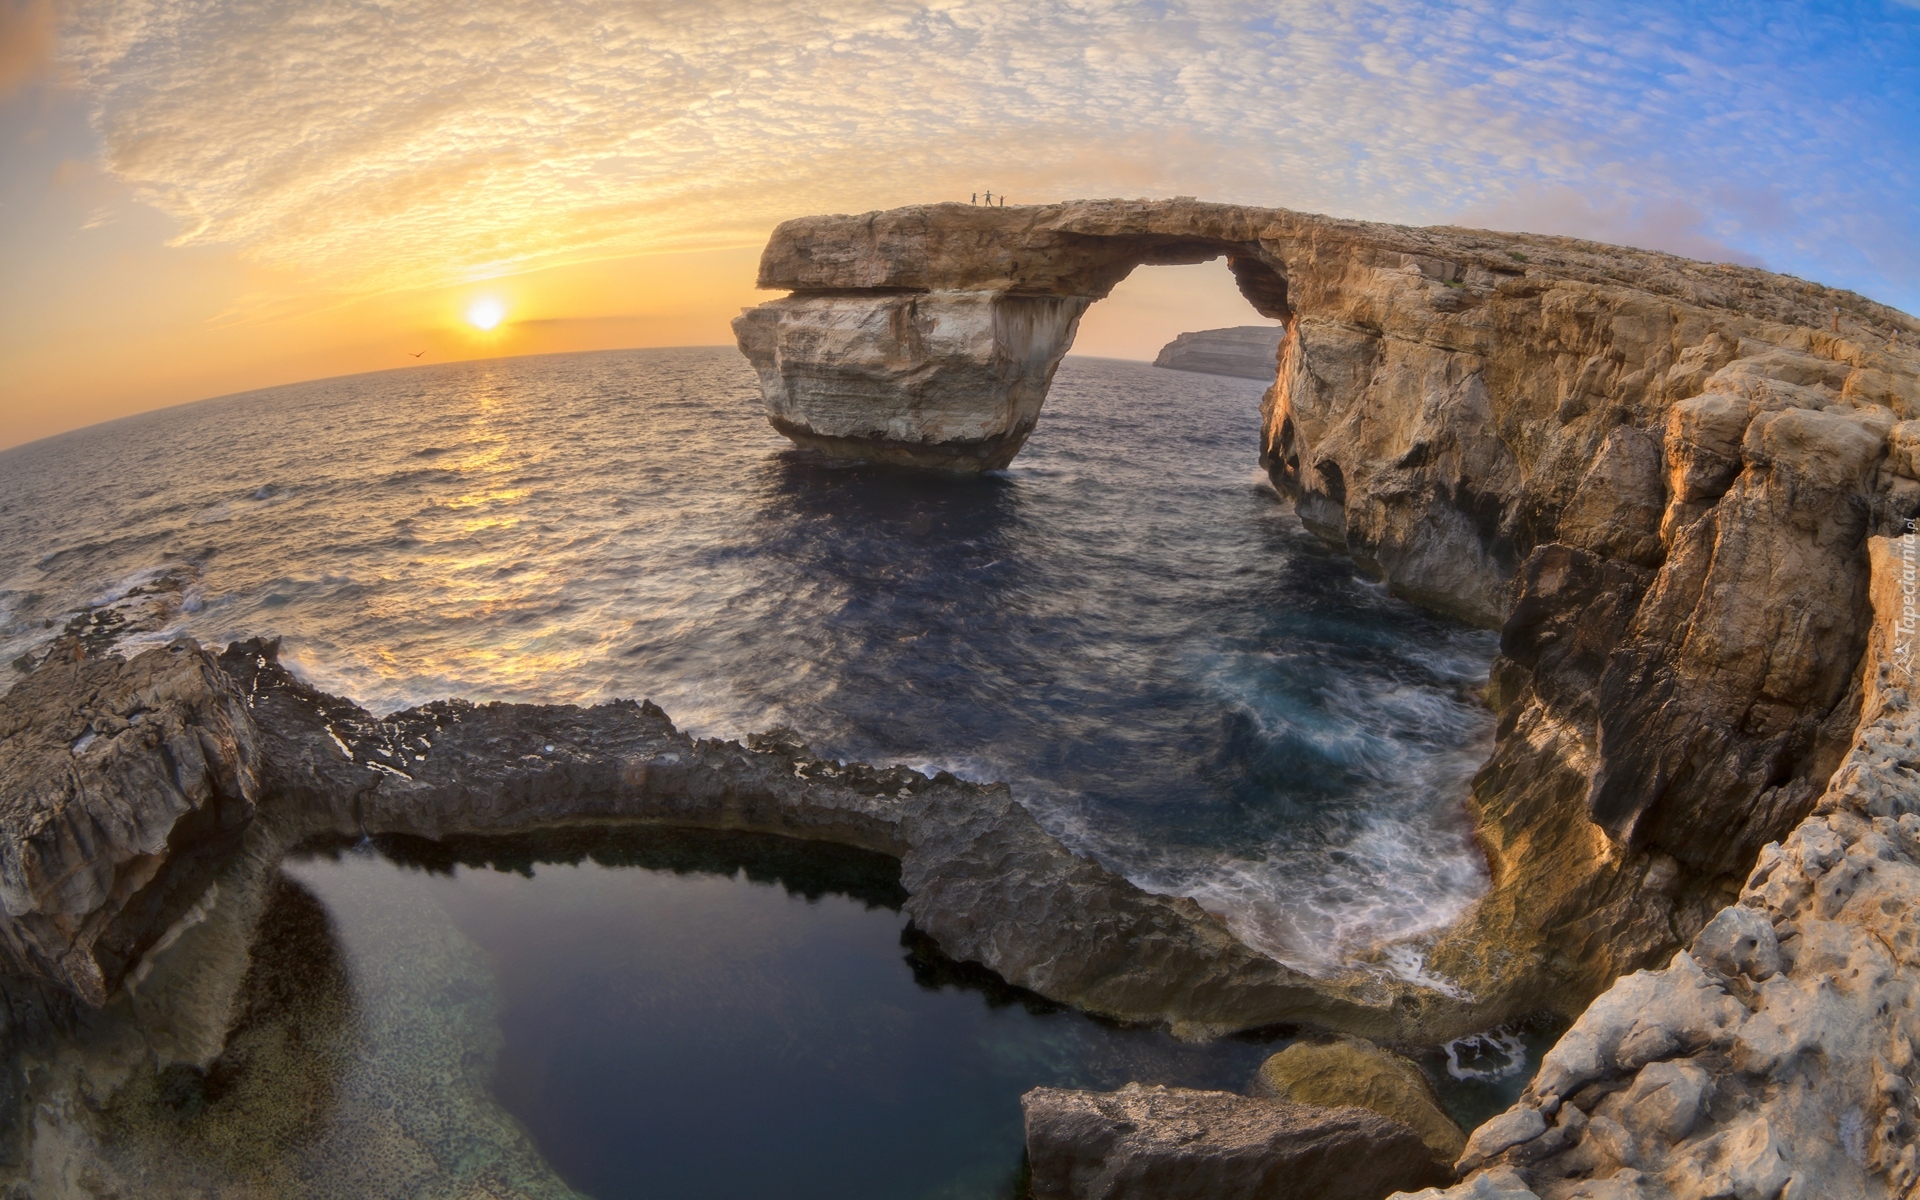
x=1245, y=351
x=1656, y=477
x=1775, y=1058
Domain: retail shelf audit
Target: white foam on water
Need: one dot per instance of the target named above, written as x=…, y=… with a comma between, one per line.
x=1493, y=1054
x=1406, y=962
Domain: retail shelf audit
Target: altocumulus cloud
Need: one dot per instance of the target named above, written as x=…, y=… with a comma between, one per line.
x=417, y=141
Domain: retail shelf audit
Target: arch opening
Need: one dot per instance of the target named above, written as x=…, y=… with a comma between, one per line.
x=1155, y=305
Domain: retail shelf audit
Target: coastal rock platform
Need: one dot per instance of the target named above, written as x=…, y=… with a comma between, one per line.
x=984, y=881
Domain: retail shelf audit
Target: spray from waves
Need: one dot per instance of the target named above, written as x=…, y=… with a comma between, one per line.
x=1381, y=856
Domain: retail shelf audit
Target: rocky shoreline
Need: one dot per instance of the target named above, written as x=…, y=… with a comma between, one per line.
x=1655, y=477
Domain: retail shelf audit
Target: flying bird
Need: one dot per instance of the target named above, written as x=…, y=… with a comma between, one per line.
x=415, y=353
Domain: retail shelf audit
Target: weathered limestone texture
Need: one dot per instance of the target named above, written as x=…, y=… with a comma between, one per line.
x=1341, y=1071
x=1245, y=351
x=121, y=780
x=1655, y=477
x=1774, y=1060
x=1161, y=1143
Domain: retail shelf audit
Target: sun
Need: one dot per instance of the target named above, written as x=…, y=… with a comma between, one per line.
x=485, y=313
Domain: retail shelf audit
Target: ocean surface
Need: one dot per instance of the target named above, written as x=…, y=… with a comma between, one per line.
x=1128, y=625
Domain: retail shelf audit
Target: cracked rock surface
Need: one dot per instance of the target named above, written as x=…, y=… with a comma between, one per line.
x=1775, y=1058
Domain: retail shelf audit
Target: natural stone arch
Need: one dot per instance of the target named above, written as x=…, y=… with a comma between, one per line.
x=929, y=336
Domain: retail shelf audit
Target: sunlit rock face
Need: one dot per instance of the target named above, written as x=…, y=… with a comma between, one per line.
x=1776, y=1056
x=951, y=380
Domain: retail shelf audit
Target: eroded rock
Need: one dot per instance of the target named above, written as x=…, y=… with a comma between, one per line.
x=1775, y=1059
x=1161, y=1143
x=1655, y=476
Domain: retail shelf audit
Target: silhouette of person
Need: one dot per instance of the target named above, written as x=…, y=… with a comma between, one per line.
x=989, y=199
x=974, y=199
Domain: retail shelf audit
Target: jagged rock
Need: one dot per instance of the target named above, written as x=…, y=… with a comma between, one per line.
x=123, y=782
x=1775, y=1060
x=1161, y=1143
x=1343, y=1071
x=1499, y=1183
x=1245, y=351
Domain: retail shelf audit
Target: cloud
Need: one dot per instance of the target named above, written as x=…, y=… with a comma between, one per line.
x=418, y=141
x=1672, y=225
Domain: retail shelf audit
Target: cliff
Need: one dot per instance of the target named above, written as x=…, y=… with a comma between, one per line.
x=1775, y=1057
x=1655, y=477
x=1246, y=351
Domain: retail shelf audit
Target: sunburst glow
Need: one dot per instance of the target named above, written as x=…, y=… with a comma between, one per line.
x=485, y=313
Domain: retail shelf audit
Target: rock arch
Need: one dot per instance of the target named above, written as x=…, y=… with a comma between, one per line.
x=929, y=336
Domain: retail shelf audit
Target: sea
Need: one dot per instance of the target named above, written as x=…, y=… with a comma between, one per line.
x=1128, y=625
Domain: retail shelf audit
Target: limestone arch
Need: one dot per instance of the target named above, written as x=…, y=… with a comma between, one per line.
x=929, y=336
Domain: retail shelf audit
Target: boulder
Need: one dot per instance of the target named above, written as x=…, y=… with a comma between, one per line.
x=1341, y=1071
x=1161, y=1143
x=121, y=783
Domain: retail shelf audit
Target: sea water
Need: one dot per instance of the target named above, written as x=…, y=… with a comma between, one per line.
x=1128, y=625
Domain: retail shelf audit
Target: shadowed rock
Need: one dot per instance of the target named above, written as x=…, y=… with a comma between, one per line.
x=118, y=780
x=1161, y=1143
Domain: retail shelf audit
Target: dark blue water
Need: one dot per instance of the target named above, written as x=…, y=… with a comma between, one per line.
x=1128, y=625
x=727, y=1019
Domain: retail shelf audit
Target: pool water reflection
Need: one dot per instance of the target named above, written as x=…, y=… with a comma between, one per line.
x=697, y=1015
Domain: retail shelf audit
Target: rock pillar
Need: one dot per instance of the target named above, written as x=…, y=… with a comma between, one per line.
x=951, y=380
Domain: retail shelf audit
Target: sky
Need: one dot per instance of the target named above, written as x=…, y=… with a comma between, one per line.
x=200, y=197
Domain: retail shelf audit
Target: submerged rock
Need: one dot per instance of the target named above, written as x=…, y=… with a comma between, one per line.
x=1775, y=1058
x=1344, y=1071
x=1161, y=1143
x=1245, y=351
